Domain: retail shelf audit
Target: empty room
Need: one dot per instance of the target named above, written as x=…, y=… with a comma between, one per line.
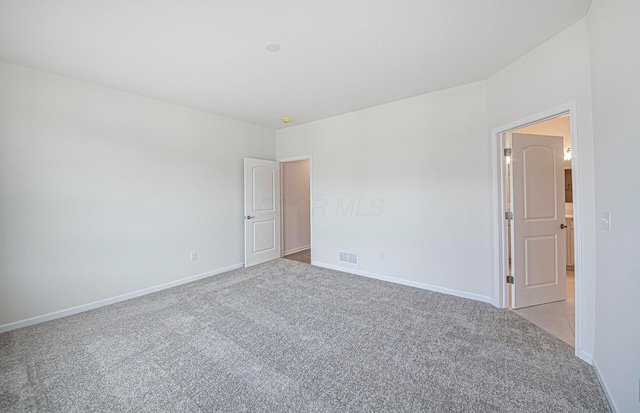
x=336, y=206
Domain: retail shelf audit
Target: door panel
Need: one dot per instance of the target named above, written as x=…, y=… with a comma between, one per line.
x=263, y=189
x=264, y=234
x=261, y=211
x=541, y=263
x=539, y=184
x=539, y=242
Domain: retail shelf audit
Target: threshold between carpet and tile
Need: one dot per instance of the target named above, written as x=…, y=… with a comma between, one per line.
x=557, y=318
x=286, y=336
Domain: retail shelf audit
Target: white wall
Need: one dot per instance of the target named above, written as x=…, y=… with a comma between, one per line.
x=296, y=209
x=400, y=156
x=104, y=193
x=615, y=67
x=555, y=73
x=410, y=179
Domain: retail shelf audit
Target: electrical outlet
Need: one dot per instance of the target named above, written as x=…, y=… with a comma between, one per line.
x=381, y=255
x=194, y=256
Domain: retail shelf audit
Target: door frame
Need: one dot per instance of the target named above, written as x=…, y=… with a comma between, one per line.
x=293, y=159
x=500, y=236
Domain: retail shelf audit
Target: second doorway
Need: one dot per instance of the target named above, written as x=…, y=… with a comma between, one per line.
x=296, y=210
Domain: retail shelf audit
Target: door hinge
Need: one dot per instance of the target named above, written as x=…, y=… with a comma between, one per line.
x=508, y=215
x=509, y=279
x=507, y=151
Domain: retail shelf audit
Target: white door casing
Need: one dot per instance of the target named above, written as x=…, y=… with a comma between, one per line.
x=261, y=211
x=539, y=241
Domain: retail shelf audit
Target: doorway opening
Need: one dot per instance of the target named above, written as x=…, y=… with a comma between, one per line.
x=296, y=209
x=555, y=316
x=558, y=121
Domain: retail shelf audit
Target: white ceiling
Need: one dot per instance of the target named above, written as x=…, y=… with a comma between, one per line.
x=336, y=56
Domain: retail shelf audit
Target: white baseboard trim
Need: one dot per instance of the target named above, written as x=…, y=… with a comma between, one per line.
x=492, y=301
x=586, y=357
x=604, y=387
x=409, y=283
x=294, y=250
x=101, y=303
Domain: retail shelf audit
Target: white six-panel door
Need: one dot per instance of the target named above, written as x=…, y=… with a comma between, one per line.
x=261, y=211
x=539, y=239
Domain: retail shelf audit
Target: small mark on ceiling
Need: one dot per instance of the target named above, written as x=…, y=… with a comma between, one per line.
x=272, y=47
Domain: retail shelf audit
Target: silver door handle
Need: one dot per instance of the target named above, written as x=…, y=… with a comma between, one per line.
x=249, y=217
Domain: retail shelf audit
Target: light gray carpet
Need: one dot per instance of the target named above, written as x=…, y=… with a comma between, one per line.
x=286, y=336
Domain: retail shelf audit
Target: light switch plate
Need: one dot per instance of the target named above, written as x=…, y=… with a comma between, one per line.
x=606, y=221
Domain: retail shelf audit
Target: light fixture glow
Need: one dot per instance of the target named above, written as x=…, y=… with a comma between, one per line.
x=286, y=120
x=567, y=154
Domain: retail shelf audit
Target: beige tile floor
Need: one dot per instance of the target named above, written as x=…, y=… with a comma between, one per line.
x=556, y=318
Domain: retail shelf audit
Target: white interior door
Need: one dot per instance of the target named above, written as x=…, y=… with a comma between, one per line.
x=539, y=239
x=261, y=211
